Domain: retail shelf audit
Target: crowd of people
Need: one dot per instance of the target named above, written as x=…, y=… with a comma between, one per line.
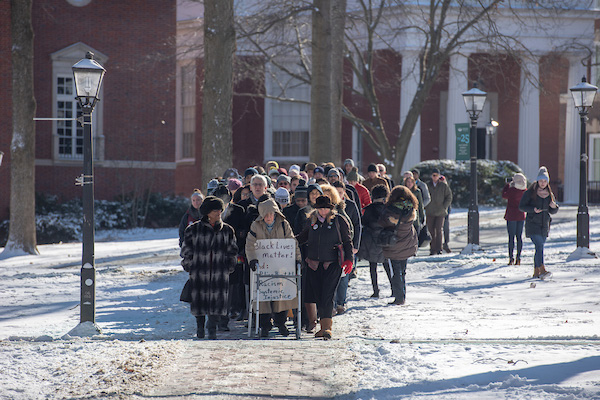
x=337, y=216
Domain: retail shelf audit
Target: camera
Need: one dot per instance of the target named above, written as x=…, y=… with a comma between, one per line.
x=509, y=180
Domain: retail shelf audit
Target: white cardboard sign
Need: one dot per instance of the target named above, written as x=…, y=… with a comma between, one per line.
x=275, y=257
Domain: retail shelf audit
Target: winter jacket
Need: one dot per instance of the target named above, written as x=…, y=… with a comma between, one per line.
x=513, y=195
x=281, y=230
x=441, y=199
x=369, y=249
x=536, y=223
x=290, y=213
x=191, y=215
x=321, y=238
x=354, y=217
x=401, y=221
x=363, y=195
x=420, y=220
x=424, y=192
x=370, y=182
x=209, y=255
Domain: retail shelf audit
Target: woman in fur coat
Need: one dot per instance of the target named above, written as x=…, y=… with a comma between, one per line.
x=271, y=224
x=398, y=220
x=324, y=268
x=209, y=255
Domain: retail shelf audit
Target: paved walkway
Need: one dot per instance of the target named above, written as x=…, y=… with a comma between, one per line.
x=235, y=367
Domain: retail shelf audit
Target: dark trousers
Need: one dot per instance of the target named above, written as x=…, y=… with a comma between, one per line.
x=320, y=287
x=398, y=269
x=373, y=270
x=515, y=231
x=434, y=225
x=211, y=322
x=279, y=318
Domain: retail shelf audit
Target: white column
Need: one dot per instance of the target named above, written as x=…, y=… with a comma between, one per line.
x=456, y=113
x=572, y=137
x=529, y=118
x=410, y=82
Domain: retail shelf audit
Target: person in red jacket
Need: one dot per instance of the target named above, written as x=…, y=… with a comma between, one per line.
x=364, y=195
x=515, y=218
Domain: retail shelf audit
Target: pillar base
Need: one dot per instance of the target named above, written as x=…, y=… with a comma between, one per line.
x=471, y=248
x=581, y=253
x=85, y=329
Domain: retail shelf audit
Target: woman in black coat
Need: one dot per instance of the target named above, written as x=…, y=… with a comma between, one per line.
x=370, y=249
x=539, y=202
x=209, y=254
x=192, y=214
x=322, y=235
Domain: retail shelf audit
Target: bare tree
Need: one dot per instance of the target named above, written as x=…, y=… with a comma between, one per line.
x=440, y=28
x=219, y=48
x=21, y=236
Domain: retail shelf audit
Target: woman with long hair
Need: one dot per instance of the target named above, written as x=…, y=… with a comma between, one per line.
x=324, y=234
x=515, y=218
x=192, y=214
x=399, y=237
x=539, y=202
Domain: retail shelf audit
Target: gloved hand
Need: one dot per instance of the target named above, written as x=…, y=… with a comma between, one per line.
x=253, y=264
x=347, y=266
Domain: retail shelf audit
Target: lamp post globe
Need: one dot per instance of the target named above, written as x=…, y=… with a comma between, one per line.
x=474, y=102
x=88, y=75
x=583, y=98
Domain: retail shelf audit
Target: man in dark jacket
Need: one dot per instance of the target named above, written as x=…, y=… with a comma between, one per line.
x=437, y=209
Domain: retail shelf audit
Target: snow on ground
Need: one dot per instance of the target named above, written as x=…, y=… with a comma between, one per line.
x=472, y=327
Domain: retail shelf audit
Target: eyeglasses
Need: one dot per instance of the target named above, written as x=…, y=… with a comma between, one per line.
x=257, y=184
x=283, y=184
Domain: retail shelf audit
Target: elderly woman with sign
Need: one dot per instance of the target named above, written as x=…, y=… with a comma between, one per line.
x=329, y=250
x=271, y=224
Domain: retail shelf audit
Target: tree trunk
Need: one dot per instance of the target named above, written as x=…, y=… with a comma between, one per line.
x=21, y=236
x=328, y=19
x=219, y=47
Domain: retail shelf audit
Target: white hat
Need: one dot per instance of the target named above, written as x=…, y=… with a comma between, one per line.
x=282, y=196
x=520, y=181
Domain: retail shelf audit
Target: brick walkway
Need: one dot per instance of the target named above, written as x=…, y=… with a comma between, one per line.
x=234, y=367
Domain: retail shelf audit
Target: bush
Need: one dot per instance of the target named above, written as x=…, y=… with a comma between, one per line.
x=61, y=222
x=491, y=177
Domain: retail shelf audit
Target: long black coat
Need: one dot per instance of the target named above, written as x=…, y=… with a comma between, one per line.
x=536, y=223
x=369, y=250
x=209, y=255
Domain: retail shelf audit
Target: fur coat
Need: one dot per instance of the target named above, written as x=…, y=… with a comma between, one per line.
x=209, y=255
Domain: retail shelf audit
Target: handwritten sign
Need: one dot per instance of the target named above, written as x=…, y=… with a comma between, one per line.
x=275, y=257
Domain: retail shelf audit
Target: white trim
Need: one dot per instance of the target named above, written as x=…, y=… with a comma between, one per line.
x=593, y=157
x=46, y=162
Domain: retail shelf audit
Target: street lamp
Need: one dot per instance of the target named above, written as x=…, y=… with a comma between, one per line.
x=474, y=101
x=88, y=76
x=490, y=130
x=583, y=97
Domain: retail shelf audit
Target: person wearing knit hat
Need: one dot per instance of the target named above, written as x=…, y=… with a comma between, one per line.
x=347, y=166
x=422, y=186
x=294, y=170
x=283, y=181
x=211, y=186
x=273, y=173
x=319, y=173
x=271, y=164
x=539, y=203
x=248, y=174
x=282, y=197
x=300, y=200
x=231, y=173
x=233, y=185
x=364, y=196
x=374, y=178
x=515, y=219
x=209, y=252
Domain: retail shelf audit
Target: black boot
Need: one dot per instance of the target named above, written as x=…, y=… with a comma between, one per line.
x=264, y=322
x=280, y=318
x=200, y=326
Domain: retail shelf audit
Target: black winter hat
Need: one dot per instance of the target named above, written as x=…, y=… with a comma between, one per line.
x=211, y=203
x=222, y=191
x=301, y=192
x=372, y=168
x=323, y=202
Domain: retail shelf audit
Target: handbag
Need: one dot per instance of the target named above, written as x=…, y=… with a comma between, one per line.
x=186, y=292
x=340, y=246
x=424, y=236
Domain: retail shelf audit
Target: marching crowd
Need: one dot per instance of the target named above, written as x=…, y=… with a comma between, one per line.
x=336, y=217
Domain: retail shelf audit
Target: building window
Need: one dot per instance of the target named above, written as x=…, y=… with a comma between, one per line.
x=69, y=133
x=287, y=128
x=594, y=160
x=188, y=110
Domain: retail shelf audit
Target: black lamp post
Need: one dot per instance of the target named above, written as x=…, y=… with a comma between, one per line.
x=474, y=102
x=88, y=76
x=583, y=96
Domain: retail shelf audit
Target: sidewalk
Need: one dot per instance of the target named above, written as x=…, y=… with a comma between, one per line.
x=235, y=367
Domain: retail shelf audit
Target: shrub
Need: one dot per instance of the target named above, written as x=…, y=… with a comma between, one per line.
x=491, y=177
x=61, y=222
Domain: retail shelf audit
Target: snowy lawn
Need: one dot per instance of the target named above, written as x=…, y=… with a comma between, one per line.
x=472, y=327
